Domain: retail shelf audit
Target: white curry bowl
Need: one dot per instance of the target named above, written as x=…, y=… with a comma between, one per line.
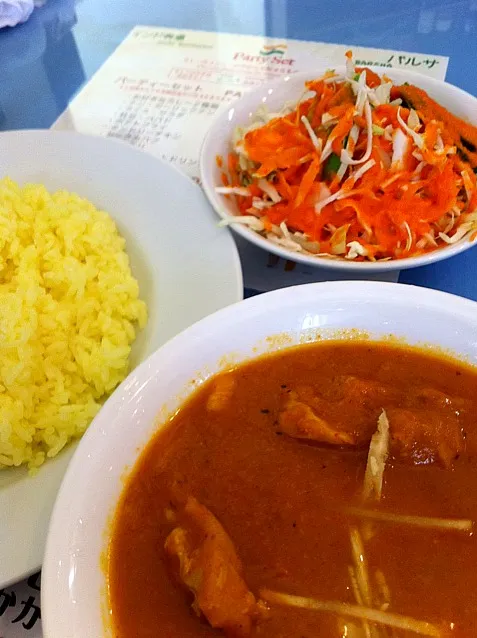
x=74, y=586
x=290, y=88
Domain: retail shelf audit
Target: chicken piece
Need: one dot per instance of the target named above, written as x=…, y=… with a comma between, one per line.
x=222, y=391
x=299, y=420
x=425, y=428
x=430, y=398
x=363, y=392
x=343, y=413
x=210, y=568
x=425, y=436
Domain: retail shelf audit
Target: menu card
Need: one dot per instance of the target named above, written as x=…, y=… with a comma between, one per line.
x=160, y=91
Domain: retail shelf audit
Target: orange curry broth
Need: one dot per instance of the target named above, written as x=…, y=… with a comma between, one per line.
x=277, y=498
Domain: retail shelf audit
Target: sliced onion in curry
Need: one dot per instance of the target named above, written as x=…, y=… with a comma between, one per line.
x=451, y=524
x=360, y=582
x=420, y=627
x=377, y=456
x=360, y=569
x=372, y=489
x=385, y=594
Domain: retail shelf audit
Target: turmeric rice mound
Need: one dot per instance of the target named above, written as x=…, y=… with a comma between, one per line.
x=69, y=311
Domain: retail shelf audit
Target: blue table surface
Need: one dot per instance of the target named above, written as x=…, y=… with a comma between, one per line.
x=44, y=62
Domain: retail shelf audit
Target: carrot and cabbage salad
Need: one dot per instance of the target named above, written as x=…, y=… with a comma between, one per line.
x=359, y=169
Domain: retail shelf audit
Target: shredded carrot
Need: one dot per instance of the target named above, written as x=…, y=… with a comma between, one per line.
x=372, y=78
x=341, y=130
x=322, y=105
x=400, y=189
x=267, y=224
x=283, y=186
x=344, y=96
x=307, y=181
x=232, y=162
x=255, y=190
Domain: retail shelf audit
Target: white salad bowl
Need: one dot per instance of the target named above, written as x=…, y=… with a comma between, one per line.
x=74, y=582
x=274, y=95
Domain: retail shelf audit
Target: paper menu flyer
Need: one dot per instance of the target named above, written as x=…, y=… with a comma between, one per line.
x=162, y=87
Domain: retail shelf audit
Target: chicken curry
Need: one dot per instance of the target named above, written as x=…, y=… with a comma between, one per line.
x=324, y=490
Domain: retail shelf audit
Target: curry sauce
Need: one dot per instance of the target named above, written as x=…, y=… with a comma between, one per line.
x=250, y=485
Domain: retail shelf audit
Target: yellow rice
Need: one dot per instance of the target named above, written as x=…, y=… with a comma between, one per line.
x=69, y=311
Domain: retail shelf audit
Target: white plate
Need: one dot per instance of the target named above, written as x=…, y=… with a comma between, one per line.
x=186, y=266
x=73, y=584
x=274, y=95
